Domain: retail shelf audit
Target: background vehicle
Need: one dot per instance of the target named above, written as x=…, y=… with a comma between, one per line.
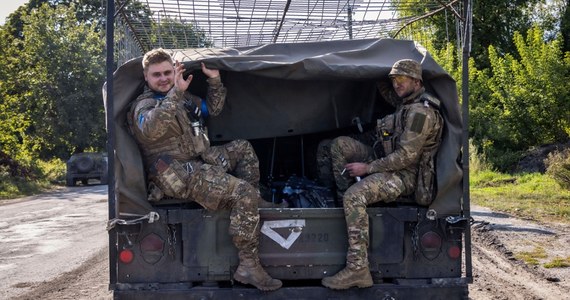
x=285, y=97
x=86, y=165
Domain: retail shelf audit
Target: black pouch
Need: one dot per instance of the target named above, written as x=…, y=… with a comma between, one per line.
x=379, y=149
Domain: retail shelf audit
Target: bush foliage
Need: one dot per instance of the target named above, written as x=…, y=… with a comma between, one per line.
x=558, y=167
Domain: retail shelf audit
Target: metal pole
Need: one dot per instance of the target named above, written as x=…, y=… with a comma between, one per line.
x=465, y=112
x=110, y=30
x=349, y=11
x=302, y=156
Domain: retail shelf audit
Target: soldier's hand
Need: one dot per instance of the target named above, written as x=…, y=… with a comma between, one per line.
x=179, y=82
x=356, y=169
x=211, y=73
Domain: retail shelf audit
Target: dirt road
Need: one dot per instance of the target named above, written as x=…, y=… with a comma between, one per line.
x=52, y=234
x=496, y=239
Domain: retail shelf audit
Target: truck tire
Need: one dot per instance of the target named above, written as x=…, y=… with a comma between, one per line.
x=69, y=181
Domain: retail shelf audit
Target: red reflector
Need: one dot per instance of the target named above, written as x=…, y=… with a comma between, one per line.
x=430, y=239
x=126, y=256
x=454, y=252
x=152, y=242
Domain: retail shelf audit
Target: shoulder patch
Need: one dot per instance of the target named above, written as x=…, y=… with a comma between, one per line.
x=418, y=122
x=140, y=121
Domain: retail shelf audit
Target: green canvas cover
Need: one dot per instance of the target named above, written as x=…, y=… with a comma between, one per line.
x=280, y=90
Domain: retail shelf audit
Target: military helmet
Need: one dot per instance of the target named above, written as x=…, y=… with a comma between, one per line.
x=407, y=67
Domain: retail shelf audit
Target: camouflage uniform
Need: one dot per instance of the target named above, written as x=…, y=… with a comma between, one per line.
x=392, y=171
x=181, y=163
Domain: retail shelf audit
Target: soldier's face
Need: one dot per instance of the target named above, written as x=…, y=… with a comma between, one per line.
x=160, y=77
x=404, y=85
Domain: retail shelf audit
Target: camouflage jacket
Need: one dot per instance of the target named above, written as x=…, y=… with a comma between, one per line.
x=161, y=124
x=412, y=129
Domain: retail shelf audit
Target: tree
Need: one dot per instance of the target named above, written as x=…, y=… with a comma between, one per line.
x=61, y=90
x=565, y=25
x=14, y=24
x=174, y=34
x=525, y=96
x=502, y=18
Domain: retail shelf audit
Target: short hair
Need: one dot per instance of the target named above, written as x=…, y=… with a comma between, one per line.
x=155, y=56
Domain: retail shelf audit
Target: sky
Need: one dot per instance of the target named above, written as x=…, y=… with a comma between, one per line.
x=9, y=7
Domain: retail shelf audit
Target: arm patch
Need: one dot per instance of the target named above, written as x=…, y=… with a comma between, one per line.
x=418, y=122
x=141, y=121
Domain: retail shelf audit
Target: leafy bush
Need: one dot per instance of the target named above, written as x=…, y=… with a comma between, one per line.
x=521, y=100
x=39, y=177
x=17, y=186
x=558, y=167
x=53, y=170
x=503, y=160
x=477, y=161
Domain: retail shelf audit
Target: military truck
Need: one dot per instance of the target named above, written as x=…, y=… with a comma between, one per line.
x=84, y=166
x=285, y=99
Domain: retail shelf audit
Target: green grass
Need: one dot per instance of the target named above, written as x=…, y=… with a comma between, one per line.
x=534, y=196
x=15, y=187
x=532, y=257
x=537, y=254
x=558, y=262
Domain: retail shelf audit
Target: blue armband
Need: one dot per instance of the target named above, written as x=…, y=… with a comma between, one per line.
x=204, y=109
x=140, y=121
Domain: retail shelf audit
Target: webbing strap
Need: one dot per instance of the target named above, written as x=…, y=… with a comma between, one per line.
x=151, y=217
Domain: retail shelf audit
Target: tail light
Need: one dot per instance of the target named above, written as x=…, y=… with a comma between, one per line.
x=431, y=240
x=126, y=256
x=430, y=244
x=454, y=252
x=152, y=248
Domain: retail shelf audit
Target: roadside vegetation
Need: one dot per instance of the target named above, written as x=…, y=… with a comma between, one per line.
x=538, y=254
x=534, y=196
x=41, y=176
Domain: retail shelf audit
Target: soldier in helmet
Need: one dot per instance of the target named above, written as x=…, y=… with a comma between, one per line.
x=167, y=124
x=388, y=169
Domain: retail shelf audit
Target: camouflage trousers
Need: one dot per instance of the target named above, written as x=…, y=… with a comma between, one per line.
x=332, y=155
x=385, y=186
x=227, y=177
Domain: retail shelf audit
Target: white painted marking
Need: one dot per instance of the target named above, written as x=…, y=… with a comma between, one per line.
x=295, y=227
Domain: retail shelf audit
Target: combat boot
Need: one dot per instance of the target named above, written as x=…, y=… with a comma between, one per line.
x=250, y=271
x=348, y=278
